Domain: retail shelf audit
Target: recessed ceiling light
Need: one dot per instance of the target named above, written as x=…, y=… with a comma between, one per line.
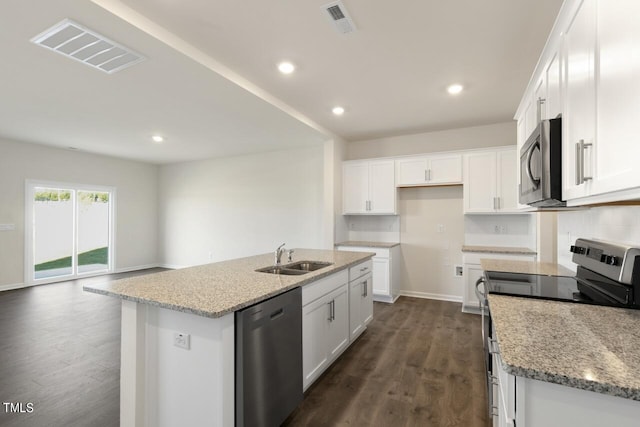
x=286, y=67
x=338, y=111
x=157, y=138
x=455, y=89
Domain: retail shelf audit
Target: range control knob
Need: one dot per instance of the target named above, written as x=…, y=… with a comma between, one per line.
x=578, y=250
x=609, y=259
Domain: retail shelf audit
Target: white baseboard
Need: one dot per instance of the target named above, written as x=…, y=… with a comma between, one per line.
x=173, y=266
x=428, y=295
x=12, y=286
x=135, y=268
x=470, y=309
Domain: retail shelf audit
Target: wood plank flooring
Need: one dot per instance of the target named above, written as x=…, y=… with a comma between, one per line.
x=418, y=364
x=60, y=350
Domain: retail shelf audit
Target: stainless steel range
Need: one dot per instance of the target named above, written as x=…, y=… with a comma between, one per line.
x=607, y=274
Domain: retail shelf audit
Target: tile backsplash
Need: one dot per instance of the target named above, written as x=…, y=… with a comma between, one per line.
x=619, y=224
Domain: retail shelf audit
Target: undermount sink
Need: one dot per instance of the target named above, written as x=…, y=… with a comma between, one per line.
x=308, y=265
x=296, y=268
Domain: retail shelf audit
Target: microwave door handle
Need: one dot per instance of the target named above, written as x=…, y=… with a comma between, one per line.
x=535, y=182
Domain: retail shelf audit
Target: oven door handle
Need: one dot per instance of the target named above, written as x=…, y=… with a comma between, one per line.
x=535, y=182
x=479, y=294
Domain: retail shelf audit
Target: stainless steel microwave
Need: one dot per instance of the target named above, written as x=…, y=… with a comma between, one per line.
x=541, y=166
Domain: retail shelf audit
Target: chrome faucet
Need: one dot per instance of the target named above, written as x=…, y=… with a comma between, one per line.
x=279, y=253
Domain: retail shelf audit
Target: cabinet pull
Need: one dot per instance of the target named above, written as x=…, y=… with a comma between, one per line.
x=498, y=203
x=425, y=175
x=429, y=174
x=364, y=269
x=580, y=147
x=540, y=102
x=365, y=289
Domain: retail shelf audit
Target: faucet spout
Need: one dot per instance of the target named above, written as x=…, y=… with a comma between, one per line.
x=278, y=254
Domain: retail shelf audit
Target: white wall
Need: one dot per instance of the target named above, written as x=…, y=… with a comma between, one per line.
x=429, y=142
x=431, y=236
x=217, y=209
x=374, y=228
x=614, y=223
x=136, y=214
x=515, y=230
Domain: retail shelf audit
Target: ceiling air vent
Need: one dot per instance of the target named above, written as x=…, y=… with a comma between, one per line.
x=77, y=42
x=338, y=15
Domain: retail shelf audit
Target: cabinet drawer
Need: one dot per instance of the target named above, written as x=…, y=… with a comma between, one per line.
x=360, y=270
x=321, y=287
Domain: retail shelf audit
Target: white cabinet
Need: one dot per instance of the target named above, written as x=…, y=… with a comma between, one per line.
x=369, y=187
x=579, y=137
x=429, y=170
x=360, y=304
x=325, y=324
x=490, y=181
x=472, y=271
x=386, y=271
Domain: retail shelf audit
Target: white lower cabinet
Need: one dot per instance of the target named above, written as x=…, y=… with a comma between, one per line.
x=472, y=271
x=386, y=271
x=335, y=311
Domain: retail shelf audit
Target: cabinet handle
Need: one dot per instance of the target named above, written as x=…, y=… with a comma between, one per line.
x=498, y=203
x=429, y=174
x=540, y=102
x=425, y=175
x=580, y=147
x=364, y=269
x=578, y=155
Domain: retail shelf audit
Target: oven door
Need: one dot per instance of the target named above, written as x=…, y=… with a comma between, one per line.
x=481, y=293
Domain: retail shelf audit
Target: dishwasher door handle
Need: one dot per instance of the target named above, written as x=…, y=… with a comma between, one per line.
x=278, y=313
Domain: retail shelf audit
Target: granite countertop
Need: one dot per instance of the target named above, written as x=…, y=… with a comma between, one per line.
x=498, y=250
x=213, y=290
x=577, y=345
x=363, y=243
x=526, y=267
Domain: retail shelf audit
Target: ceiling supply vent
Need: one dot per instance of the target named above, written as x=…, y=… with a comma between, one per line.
x=338, y=15
x=77, y=42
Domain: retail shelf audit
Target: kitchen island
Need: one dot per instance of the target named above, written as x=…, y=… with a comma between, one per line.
x=163, y=384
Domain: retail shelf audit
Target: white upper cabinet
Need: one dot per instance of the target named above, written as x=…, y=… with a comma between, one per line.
x=368, y=187
x=490, y=181
x=579, y=137
x=590, y=74
x=618, y=101
x=429, y=170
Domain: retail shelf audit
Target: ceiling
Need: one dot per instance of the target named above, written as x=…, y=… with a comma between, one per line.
x=210, y=83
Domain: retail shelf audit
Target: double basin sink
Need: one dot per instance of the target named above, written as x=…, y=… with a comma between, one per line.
x=296, y=268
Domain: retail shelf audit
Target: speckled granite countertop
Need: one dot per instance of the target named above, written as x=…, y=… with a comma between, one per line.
x=213, y=290
x=577, y=345
x=362, y=243
x=498, y=250
x=526, y=267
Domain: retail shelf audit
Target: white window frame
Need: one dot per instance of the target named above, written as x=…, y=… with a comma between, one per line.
x=30, y=186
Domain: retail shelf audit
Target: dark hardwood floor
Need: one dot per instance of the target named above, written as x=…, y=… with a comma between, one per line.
x=60, y=351
x=418, y=364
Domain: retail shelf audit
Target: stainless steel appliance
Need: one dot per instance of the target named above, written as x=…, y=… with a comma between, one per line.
x=268, y=366
x=607, y=274
x=541, y=166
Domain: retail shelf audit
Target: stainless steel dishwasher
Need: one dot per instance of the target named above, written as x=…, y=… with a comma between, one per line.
x=268, y=366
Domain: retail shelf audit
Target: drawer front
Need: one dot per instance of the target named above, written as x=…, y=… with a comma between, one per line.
x=380, y=252
x=360, y=270
x=321, y=287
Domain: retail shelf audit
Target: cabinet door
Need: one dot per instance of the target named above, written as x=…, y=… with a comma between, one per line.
x=355, y=308
x=381, y=284
x=338, y=322
x=553, y=100
x=530, y=115
x=472, y=272
x=480, y=182
x=355, y=187
x=411, y=171
x=315, y=316
x=580, y=113
x=618, y=98
x=382, y=187
x=446, y=169
x=366, y=309
x=507, y=180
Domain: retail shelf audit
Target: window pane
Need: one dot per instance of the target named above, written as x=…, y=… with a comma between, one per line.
x=93, y=231
x=53, y=232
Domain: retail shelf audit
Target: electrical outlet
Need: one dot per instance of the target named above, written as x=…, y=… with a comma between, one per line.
x=496, y=229
x=441, y=228
x=210, y=256
x=182, y=340
x=458, y=270
x=503, y=229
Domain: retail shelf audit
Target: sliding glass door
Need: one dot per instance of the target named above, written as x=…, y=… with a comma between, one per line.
x=69, y=231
